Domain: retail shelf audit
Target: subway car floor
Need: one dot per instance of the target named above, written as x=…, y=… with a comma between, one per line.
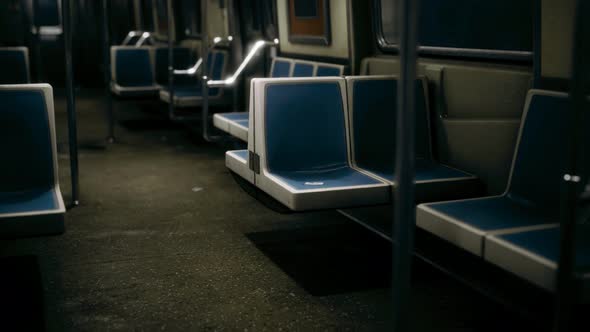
x=164, y=239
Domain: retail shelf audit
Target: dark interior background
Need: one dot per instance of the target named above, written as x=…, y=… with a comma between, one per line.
x=17, y=20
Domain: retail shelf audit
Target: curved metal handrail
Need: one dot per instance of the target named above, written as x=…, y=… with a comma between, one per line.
x=195, y=68
x=253, y=52
x=144, y=37
x=131, y=35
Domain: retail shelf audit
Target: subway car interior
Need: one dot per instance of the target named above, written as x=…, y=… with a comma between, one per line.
x=294, y=165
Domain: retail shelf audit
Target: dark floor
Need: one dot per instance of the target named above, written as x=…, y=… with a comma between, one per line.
x=164, y=239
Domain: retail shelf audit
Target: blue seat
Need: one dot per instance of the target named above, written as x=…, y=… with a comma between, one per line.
x=183, y=58
x=372, y=100
x=132, y=72
x=280, y=68
x=222, y=120
x=534, y=255
x=14, y=65
x=531, y=199
x=329, y=70
x=303, y=69
x=302, y=146
x=191, y=95
x=30, y=199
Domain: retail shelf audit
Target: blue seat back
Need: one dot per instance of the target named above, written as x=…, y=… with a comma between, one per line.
x=133, y=67
x=14, y=65
x=373, y=108
x=280, y=68
x=183, y=58
x=25, y=141
x=538, y=166
x=216, y=64
x=216, y=69
x=303, y=69
x=328, y=71
x=305, y=126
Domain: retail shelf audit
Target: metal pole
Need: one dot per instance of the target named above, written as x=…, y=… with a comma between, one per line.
x=404, y=204
x=170, y=15
x=107, y=70
x=37, y=43
x=205, y=71
x=71, y=102
x=205, y=54
x=572, y=186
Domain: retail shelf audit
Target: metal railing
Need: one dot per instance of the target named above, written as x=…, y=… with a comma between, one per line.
x=253, y=52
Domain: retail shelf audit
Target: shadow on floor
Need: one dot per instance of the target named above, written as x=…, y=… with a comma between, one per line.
x=331, y=259
x=21, y=294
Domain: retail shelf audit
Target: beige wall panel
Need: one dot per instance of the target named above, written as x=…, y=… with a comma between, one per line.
x=217, y=21
x=557, y=17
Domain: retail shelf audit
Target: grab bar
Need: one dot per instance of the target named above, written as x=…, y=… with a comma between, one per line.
x=232, y=79
x=131, y=35
x=193, y=70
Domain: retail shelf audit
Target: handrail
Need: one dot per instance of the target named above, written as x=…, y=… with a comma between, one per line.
x=144, y=36
x=130, y=36
x=195, y=68
x=232, y=79
x=190, y=71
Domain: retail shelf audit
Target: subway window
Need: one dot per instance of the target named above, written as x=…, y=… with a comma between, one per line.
x=501, y=28
x=190, y=13
x=47, y=13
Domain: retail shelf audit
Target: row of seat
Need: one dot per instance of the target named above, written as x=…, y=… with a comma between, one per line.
x=329, y=143
x=189, y=92
x=519, y=230
x=14, y=65
x=236, y=123
x=325, y=143
x=143, y=71
x=30, y=199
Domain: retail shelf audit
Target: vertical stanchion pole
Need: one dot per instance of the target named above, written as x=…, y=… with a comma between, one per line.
x=572, y=186
x=404, y=203
x=71, y=102
x=205, y=71
x=106, y=40
x=37, y=42
x=170, y=16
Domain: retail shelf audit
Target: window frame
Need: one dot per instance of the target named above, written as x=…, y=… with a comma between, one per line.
x=323, y=40
x=489, y=54
x=182, y=24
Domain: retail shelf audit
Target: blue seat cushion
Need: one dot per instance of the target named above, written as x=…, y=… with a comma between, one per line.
x=493, y=213
x=328, y=178
x=28, y=201
x=545, y=243
x=235, y=116
x=243, y=123
x=242, y=154
x=466, y=223
x=427, y=170
x=191, y=91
